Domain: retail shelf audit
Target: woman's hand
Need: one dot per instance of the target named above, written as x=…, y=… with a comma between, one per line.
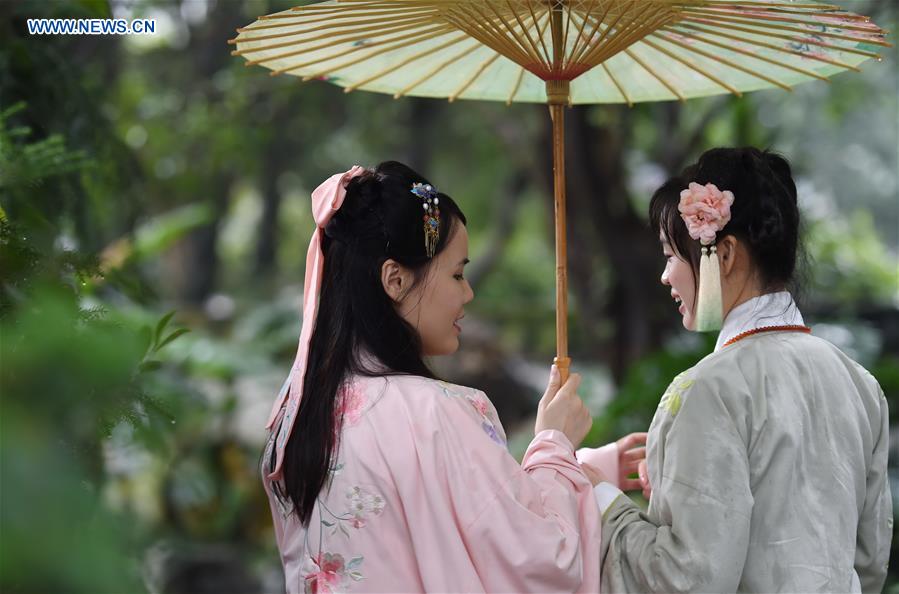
x=562, y=409
x=643, y=473
x=630, y=456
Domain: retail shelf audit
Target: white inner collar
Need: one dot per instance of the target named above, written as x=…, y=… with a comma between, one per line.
x=773, y=309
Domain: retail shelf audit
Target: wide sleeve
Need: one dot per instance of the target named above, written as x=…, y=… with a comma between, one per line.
x=875, y=526
x=532, y=527
x=701, y=508
x=603, y=459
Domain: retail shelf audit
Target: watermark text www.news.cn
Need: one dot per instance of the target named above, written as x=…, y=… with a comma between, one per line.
x=91, y=26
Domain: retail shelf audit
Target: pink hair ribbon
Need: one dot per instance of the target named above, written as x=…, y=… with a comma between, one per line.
x=326, y=200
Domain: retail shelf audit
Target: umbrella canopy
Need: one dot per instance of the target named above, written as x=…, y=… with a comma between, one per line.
x=561, y=52
x=503, y=50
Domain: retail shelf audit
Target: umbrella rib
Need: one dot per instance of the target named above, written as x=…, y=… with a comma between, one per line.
x=577, y=57
x=517, y=85
x=480, y=70
x=751, y=55
x=591, y=52
x=633, y=56
x=772, y=4
x=549, y=59
x=346, y=15
x=637, y=27
x=496, y=35
x=732, y=64
x=806, y=40
x=333, y=11
x=405, y=62
x=622, y=40
x=833, y=13
x=323, y=8
x=527, y=33
x=725, y=19
x=579, y=37
x=404, y=39
x=326, y=45
x=332, y=37
x=692, y=65
x=330, y=23
x=437, y=69
x=803, y=71
x=527, y=48
x=773, y=17
x=566, y=29
x=368, y=3
x=617, y=84
x=763, y=44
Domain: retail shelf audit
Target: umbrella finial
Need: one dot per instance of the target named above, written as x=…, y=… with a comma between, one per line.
x=558, y=92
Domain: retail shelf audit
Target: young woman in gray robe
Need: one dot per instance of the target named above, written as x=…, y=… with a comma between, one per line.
x=768, y=459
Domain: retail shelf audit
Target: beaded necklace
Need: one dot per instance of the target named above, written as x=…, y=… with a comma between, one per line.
x=792, y=328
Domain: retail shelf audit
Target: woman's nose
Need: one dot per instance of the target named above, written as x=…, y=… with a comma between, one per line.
x=664, y=279
x=469, y=295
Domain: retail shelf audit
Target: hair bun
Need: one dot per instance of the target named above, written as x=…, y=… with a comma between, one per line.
x=783, y=174
x=358, y=217
x=766, y=229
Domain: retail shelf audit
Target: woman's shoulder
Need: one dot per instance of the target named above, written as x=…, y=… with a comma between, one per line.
x=787, y=349
x=416, y=388
x=423, y=398
x=747, y=368
x=720, y=375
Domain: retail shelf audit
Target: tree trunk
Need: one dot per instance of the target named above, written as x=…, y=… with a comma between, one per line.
x=267, y=234
x=201, y=260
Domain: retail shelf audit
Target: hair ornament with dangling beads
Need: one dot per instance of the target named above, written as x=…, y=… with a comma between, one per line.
x=706, y=211
x=431, y=205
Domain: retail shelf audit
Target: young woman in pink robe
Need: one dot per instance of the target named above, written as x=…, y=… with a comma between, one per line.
x=381, y=477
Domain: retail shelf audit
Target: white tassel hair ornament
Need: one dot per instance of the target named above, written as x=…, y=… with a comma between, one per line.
x=706, y=211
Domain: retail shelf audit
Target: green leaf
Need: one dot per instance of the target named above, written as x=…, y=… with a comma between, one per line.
x=160, y=326
x=146, y=339
x=173, y=336
x=151, y=365
x=154, y=237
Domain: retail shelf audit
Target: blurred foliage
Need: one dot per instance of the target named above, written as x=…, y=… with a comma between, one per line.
x=850, y=264
x=70, y=374
x=637, y=398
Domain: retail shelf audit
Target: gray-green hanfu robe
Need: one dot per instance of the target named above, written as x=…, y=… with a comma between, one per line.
x=768, y=462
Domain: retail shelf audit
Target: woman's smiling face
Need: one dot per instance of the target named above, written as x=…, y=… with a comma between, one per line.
x=679, y=275
x=436, y=307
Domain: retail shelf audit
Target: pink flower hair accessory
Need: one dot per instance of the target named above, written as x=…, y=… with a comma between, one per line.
x=705, y=210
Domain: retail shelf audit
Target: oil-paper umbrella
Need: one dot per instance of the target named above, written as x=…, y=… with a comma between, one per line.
x=561, y=52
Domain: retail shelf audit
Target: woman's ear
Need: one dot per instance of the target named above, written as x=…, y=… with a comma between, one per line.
x=727, y=254
x=396, y=280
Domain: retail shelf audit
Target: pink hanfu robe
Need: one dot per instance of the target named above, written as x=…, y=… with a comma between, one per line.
x=425, y=497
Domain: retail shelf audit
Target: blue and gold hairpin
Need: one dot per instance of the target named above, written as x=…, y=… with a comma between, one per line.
x=430, y=204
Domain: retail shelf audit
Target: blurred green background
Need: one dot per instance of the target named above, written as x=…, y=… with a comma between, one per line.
x=154, y=222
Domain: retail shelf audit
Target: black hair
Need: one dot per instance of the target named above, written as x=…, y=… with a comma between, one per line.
x=764, y=215
x=357, y=323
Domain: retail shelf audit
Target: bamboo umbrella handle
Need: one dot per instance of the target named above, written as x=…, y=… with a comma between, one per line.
x=557, y=93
